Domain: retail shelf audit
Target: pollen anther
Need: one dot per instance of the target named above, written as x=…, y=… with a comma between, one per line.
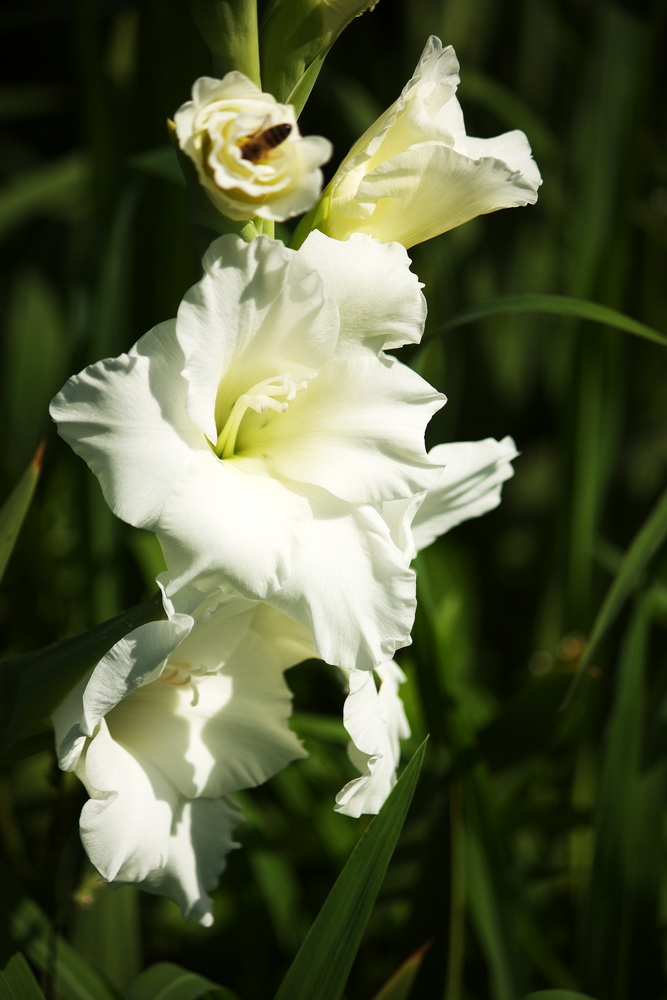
x=271, y=394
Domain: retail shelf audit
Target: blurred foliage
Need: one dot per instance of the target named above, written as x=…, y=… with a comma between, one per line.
x=532, y=861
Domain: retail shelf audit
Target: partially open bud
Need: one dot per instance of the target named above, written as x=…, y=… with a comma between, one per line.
x=415, y=173
x=250, y=157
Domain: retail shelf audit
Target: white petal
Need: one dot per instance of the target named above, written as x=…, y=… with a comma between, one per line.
x=379, y=298
x=234, y=85
x=222, y=522
x=391, y=677
x=415, y=173
x=66, y=719
x=470, y=485
x=398, y=516
x=353, y=589
x=137, y=828
x=219, y=733
x=513, y=149
x=290, y=641
x=134, y=661
x=358, y=431
x=375, y=721
x=259, y=311
x=431, y=188
x=191, y=601
x=420, y=106
x=224, y=620
x=126, y=418
x=429, y=99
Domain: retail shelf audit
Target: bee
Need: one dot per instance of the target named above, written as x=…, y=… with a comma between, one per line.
x=262, y=141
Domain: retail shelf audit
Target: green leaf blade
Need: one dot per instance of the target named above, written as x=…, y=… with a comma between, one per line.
x=400, y=984
x=557, y=995
x=33, y=685
x=620, y=944
x=17, y=981
x=166, y=981
x=558, y=305
x=645, y=544
x=15, y=508
x=323, y=962
x=25, y=924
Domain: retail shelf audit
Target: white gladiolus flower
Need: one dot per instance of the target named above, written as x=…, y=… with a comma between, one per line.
x=174, y=719
x=415, y=173
x=375, y=719
x=250, y=156
x=260, y=433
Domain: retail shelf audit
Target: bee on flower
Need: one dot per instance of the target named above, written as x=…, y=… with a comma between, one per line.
x=250, y=156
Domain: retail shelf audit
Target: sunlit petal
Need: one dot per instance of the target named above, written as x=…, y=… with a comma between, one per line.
x=376, y=722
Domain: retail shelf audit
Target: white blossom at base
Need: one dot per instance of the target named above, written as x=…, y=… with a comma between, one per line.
x=178, y=716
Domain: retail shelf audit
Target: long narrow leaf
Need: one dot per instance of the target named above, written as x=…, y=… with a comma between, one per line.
x=55, y=188
x=320, y=969
x=400, y=984
x=557, y=995
x=17, y=981
x=31, y=686
x=643, y=547
x=22, y=922
x=107, y=933
x=167, y=981
x=560, y=305
x=15, y=508
x=619, y=942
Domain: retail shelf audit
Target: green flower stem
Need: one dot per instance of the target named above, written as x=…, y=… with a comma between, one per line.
x=229, y=28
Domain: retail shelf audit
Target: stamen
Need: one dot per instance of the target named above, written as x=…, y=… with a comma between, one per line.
x=272, y=394
x=178, y=676
x=181, y=676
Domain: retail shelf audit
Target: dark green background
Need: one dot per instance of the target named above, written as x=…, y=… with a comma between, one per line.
x=533, y=856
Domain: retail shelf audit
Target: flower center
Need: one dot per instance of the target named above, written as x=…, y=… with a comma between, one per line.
x=272, y=394
x=181, y=675
x=178, y=676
